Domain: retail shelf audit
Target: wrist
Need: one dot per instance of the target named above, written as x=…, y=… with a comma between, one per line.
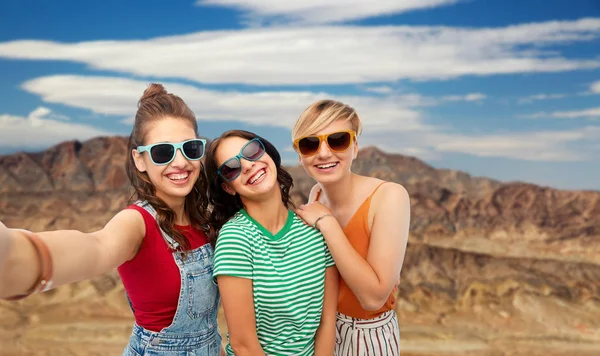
x=29, y=249
x=326, y=223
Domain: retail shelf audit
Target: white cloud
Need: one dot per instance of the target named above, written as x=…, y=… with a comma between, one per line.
x=588, y=113
x=595, y=87
x=468, y=97
x=532, y=146
x=536, y=97
x=119, y=96
x=38, y=129
x=383, y=89
x=593, y=113
x=319, y=11
x=391, y=122
x=297, y=56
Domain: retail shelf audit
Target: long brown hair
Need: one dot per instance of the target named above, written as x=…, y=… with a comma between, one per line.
x=156, y=104
x=225, y=205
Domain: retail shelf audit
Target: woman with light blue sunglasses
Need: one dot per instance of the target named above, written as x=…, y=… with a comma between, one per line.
x=159, y=243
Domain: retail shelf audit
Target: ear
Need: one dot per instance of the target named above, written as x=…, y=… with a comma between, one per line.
x=227, y=188
x=138, y=160
x=355, y=149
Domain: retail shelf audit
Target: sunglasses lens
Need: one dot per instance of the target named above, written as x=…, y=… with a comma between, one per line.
x=308, y=146
x=231, y=169
x=193, y=149
x=339, y=141
x=162, y=154
x=253, y=150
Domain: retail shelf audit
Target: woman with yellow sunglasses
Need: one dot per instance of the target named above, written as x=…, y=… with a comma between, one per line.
x=365, y=222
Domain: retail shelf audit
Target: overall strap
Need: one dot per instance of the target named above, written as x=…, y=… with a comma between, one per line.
x=150, y=209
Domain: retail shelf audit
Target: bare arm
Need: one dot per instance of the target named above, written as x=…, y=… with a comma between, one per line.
x=373, y=279
x=75, y=255
x=6, y=243
x=325, y=338
x=238, y=305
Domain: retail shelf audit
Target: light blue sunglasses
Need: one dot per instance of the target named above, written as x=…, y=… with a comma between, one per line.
x=164, y=153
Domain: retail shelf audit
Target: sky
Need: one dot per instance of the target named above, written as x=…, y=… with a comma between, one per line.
x=505, y=89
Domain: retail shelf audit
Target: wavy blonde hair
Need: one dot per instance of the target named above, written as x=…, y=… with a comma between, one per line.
x=323, y=113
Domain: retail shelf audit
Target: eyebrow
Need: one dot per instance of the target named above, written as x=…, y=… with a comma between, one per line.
x=187, y=139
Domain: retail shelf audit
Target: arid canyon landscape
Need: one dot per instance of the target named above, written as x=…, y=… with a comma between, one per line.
x=492, y=268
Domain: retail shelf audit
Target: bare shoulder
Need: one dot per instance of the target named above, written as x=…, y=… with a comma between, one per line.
x=129, y=221
x=391, y=195
x=129, y=216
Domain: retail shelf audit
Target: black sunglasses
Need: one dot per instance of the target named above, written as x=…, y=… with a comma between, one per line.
x=164, y=153
x=232, y=168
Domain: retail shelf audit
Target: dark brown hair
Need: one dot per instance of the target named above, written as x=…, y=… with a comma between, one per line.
x=225, y=205
x=156, y=104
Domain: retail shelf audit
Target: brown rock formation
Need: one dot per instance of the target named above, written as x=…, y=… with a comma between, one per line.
x=492, y=268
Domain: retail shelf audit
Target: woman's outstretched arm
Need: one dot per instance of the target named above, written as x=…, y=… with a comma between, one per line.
x=75, y=255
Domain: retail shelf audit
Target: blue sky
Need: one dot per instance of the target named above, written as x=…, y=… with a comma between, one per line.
x=504, y=89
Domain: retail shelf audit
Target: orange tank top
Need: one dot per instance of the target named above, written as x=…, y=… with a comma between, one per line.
x=359, y=236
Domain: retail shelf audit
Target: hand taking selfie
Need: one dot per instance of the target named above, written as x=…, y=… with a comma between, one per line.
x=5, y=243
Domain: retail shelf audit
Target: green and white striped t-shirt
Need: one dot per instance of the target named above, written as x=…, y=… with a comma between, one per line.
x=288, y=279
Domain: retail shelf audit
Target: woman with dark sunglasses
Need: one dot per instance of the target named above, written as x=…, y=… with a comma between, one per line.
x=159, y=244
x=277, y=280
x=365, y=222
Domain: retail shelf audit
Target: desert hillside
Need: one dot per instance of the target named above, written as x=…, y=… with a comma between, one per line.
x=492, y=268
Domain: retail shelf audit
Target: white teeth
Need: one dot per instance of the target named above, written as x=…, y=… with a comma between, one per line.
x=178, y=176
x=257, y=176
x=328, y=165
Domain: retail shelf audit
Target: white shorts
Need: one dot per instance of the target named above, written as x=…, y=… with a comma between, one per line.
x=361, y=337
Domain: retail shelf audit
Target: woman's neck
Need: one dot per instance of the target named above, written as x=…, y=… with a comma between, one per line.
x=339, y=193
x=178, y=207
x=270, y=212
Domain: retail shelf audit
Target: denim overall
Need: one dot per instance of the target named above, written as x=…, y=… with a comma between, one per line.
x=194, y=330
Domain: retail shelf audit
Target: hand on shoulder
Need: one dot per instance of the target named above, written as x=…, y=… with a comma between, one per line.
x=311, y=212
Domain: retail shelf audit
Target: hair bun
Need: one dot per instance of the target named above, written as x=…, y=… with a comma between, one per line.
x=153, y=91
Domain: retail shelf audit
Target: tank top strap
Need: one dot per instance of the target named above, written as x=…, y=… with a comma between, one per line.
x=318, y=194
x=375, y=190
x=150, y=209
x=367, y=206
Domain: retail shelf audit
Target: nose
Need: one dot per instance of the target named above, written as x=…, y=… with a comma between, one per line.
x=246, y=165
x=324, y=151
x=179, y=161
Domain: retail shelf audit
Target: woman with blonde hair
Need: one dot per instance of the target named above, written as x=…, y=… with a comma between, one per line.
x=365, y=222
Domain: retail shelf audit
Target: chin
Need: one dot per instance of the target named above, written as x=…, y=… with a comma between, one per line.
x=326, y=177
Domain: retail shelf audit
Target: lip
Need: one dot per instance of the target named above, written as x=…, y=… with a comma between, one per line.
x=255, y=173
x=179, y=182
x=326, y=163
x=326, y=170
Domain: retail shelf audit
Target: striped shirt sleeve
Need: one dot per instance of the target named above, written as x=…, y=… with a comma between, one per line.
x=233, y=253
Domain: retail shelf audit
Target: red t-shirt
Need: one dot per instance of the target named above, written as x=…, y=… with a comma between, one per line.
x=152, y=278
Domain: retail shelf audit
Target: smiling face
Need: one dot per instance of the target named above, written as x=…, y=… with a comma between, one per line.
x=256, y=178
x=327, y=166
x=174, y=181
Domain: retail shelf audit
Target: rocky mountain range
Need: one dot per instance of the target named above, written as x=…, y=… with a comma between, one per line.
x=492, y=268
